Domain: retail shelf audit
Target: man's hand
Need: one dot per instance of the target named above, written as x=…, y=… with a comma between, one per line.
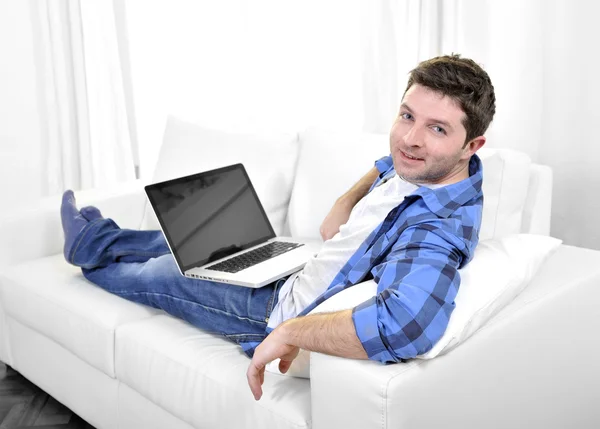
x=340, y=212
x=271, y=348
x=337, y=216
x=329, y=333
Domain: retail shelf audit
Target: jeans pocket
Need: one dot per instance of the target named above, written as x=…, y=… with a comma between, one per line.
x=246, y=337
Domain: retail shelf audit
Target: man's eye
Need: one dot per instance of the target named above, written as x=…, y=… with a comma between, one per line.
x=406, y=116
x=438, y=130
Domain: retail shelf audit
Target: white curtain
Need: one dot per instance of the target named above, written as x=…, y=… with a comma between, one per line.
x=86, y=140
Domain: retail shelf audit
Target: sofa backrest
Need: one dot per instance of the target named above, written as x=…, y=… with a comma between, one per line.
x=299, y=176
x=269, y=159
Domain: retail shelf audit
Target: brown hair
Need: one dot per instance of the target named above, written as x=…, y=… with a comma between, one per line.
x=464, y=81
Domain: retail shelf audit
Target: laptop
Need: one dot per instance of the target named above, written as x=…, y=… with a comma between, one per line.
x=218, y=230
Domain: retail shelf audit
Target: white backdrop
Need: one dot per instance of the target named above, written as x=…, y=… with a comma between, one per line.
x=283, y=64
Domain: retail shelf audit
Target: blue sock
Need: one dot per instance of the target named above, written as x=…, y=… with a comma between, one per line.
x=91, y=213
x=72, y=221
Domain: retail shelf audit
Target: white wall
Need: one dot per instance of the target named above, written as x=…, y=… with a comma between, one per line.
x=571, y=110
x=542, y=58
x=20, y=177
x=224, y=64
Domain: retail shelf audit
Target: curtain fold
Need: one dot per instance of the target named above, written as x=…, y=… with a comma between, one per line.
x=85, y=136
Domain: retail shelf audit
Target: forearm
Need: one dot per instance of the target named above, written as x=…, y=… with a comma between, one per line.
x=329, y=333
x=360, y=189
x=340, y=212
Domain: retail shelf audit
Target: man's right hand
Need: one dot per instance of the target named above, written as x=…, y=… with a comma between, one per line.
x=340, y=212
x=337, y=216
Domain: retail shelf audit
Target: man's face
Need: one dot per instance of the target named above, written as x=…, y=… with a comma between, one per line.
x=429, y=128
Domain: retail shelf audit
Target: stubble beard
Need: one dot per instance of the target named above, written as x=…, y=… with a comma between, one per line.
x=431, y=175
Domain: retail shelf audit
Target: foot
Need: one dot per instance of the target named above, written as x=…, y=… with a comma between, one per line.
x=72, y=221
x=91, y=213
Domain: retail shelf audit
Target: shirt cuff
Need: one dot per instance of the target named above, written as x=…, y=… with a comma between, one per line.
x=366, y=324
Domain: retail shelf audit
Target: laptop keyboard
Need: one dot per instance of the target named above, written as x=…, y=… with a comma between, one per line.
x=253, y=257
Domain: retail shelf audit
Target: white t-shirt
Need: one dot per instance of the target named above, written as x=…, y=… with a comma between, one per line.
x=304, y=286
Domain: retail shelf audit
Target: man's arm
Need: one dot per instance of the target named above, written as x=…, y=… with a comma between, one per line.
x=330, y=333
x=417, y=284
x=340, y=212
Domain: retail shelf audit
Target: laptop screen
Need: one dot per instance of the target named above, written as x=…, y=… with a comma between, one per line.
x=210, y=215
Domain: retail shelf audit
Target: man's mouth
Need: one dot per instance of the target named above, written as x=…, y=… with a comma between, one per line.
x=413, y=158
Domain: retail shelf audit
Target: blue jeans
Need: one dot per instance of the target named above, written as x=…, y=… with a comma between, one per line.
x=138, y=266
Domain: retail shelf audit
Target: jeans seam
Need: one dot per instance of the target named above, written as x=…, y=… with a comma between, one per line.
x=136, y=253
x=271, y=302
x=245, y=338
x=246, y=335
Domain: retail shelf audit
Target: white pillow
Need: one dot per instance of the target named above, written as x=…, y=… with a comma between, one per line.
x=505, y=184
x=499, y=271
x=189, y=148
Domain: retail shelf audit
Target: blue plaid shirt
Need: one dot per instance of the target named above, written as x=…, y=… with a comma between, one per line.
x=413, y=256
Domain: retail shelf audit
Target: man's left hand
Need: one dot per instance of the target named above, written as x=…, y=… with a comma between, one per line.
x=271, y=348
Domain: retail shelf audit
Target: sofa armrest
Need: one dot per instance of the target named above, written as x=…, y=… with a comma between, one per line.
x=535, y=364
x=34, y=231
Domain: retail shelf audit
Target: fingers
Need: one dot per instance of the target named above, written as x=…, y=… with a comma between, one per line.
x=284, y=366
x=324, y=235
x=270, y=349
x=256, y=377
x=327, y=233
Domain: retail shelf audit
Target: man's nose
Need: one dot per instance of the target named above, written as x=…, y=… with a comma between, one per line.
x=413, y=137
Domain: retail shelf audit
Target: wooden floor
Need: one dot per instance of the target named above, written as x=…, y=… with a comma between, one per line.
x=24, y=405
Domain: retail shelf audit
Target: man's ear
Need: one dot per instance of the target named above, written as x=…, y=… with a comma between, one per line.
x=473, y=146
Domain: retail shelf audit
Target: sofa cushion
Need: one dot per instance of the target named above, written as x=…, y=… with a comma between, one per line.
x=331, y=162
x=53, y=298
x=195, y=375
x=270, y=161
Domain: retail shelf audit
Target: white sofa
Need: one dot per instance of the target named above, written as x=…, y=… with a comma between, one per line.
x=122, y=365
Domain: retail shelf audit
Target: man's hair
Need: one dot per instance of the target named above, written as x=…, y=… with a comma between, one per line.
x=464, y=81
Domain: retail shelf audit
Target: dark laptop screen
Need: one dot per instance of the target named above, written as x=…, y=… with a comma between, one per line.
x=209, y=215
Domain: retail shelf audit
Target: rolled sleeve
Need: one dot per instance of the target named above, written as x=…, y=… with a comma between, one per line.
x=417, y=284
x=365, y=318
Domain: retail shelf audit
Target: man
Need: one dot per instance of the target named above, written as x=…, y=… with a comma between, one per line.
x=409, y=224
